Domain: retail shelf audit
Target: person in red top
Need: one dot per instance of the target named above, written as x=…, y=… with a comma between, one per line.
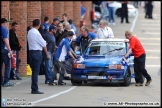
x=139, y=59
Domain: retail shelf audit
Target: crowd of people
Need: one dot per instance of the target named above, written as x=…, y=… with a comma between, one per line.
x=49, y=46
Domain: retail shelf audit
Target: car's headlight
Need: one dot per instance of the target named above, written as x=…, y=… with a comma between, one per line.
x=79, y=66
x=115, y=66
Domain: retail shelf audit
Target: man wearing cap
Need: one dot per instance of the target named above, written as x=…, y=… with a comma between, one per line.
x=51, y=43
x=62, y=51
x=55, y=21
x=6, y=53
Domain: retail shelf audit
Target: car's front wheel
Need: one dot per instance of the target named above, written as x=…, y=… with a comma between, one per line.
x=76, y=83
x=127, y=78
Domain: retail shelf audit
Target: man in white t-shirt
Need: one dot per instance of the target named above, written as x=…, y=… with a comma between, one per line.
x=104, y=31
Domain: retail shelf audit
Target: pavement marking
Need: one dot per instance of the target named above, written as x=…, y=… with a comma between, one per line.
x=151, y=33
x=153, y=66
x=152, y=57
x=151, y=44
x=16, y=83
x=153, y=50
x=152, y=28
x=55, y=95
x=149, y=38
x=153, y=24
x=134, y=21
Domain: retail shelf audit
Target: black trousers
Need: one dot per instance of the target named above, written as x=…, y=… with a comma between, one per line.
x=139, y=68
x=124, y=13
x=149, y=10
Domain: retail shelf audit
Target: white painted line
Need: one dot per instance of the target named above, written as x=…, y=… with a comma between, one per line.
x=153, y=66
x=55, y=95
x=134, y=21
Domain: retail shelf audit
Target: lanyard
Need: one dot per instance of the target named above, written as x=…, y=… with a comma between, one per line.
x=104, y=34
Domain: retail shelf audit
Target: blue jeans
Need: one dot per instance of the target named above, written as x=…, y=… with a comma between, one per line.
x=7, y=61
x=57, y=65
x=48, y=66
x=112, y=14
x=35, y=57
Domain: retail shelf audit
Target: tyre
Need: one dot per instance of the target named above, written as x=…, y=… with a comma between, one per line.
x=127, y=78
x=76, y=83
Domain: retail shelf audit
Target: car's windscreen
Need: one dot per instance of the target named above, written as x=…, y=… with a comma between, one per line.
x=106, y=48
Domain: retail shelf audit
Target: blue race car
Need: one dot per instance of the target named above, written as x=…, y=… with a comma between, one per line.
x=103, y=61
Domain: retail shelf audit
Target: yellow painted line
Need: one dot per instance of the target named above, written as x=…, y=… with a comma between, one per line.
x=128, y=98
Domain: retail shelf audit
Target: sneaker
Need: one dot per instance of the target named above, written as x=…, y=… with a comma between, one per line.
x=67, y=78
x=52, y=84
x=62, y=83
x=18, y=78
x=138, y=84
x=8, y=85
x=148, y=83
x=13, y=79
x=113, y=23
x=46, y=82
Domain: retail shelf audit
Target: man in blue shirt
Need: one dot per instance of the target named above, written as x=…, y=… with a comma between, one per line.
x=62, y=51
x=83, y=10
x=6, y=53
x=90, y=34
x=46, y=25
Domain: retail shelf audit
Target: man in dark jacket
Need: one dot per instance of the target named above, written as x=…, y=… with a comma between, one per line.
x=84, y=39
x=15, y=46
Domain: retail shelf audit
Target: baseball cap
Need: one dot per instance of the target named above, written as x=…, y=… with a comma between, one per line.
x=52, y=27
x=3, y=20
x=55, y=19
x=70, y=33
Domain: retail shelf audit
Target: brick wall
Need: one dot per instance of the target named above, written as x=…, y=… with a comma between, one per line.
x=18, y=13
x=58, y=9
x=24, y=12
x=88, y=6
x=5, y=9
x=68, y=9
x=76, y=15
x=33, y=11
x=47, y=10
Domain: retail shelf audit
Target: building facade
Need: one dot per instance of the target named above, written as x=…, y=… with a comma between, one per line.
x=24, y=12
